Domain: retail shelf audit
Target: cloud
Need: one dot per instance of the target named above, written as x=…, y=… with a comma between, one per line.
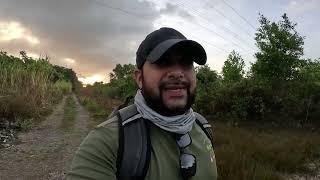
x=92, y=79
x=70, y=60
x=97, y=34
x=14, y=30
x=174, y=9
x=297, y=7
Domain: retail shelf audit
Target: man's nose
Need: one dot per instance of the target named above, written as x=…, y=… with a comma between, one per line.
x=176, y=71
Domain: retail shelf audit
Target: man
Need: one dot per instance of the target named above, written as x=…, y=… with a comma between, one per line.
x=178, y=147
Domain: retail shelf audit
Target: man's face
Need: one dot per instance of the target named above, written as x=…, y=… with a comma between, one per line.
x=168, y=85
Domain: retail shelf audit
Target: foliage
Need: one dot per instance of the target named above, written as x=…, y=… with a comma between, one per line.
x=307, y=92
x=93, y=107
x=66, y=74
x=280, y=47
x=233, y=68
x=281, y=88
x=99, y=98
x=122, y=83
x=28, y=88
x=122, y=72
x=25, y=124
x=60, y=88
x=310, y=75
x=207, y=81
x=242, y=101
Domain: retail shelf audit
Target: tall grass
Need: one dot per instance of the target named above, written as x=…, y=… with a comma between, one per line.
x=97, y=100
x=60, y=88
x=27, y=89
x=265, y=154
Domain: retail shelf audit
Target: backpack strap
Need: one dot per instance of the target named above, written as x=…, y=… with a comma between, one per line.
x=205, y=126
x=134, y=150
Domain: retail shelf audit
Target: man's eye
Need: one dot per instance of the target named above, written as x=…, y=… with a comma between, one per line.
x=163, y=63
x=187, y=62
x=166, y=62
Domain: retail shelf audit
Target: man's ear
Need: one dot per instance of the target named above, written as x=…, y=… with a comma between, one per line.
x=138, y=77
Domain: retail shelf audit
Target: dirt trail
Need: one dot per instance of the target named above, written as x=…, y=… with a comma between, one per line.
x=46, y=151
x=315, y=166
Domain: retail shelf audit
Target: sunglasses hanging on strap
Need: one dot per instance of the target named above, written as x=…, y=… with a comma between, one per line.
x=188, y=163
x=133, y=163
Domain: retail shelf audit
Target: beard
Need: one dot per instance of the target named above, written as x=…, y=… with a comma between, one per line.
x=156, y=102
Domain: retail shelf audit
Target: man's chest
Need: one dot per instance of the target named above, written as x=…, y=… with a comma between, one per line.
x=165, y=155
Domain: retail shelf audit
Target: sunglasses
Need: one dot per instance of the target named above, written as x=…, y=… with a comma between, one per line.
x=188, y=163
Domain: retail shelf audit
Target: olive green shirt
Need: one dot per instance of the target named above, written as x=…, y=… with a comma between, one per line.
x=97, y=155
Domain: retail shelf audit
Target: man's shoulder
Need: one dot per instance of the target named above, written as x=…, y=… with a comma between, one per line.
x=124, y=114
x=110, y=122
x=108, y=128
x=200, y=117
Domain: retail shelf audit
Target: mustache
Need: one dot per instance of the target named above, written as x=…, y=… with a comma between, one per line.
x=174, y=83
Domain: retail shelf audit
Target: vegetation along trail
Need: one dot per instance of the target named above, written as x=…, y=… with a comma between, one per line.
x=45, y=152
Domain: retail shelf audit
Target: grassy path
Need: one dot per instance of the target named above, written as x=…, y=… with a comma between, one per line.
x=45, y=152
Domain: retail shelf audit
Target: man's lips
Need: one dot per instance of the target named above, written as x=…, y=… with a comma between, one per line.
x=175, y=90
x=174, y=87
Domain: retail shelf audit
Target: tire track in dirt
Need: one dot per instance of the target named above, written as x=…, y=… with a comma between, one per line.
x=314, y=166
x=79, y=131
x=46, y=151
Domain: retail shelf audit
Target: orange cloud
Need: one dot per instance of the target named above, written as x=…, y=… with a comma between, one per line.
x=14, y=30
x=92, y=79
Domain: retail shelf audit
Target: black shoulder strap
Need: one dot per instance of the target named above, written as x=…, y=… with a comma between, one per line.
x=134, y=150
x=205, y=126
x=134, y=145
x=116, y=109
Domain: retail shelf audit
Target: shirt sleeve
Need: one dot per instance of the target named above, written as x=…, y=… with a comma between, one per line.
x=96, y=156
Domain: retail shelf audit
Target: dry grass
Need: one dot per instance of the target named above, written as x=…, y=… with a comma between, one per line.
x=249, y=153
x=27, y=90
x=97, y=101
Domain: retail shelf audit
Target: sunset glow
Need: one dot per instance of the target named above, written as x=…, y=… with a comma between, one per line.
x=14, y=30
x=32, y=40
x=92, y=79
x=70, y=60
x=33, y=55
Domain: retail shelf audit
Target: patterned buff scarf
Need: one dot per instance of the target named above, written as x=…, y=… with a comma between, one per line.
x=180, y=124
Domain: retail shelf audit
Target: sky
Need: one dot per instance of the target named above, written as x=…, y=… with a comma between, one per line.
x=92, y=36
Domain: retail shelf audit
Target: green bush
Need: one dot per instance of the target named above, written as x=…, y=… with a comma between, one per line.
x=243, y=100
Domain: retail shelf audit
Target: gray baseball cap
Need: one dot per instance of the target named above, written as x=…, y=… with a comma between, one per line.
x=157, y=43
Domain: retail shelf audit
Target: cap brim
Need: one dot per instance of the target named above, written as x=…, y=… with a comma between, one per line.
x=194, y=49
